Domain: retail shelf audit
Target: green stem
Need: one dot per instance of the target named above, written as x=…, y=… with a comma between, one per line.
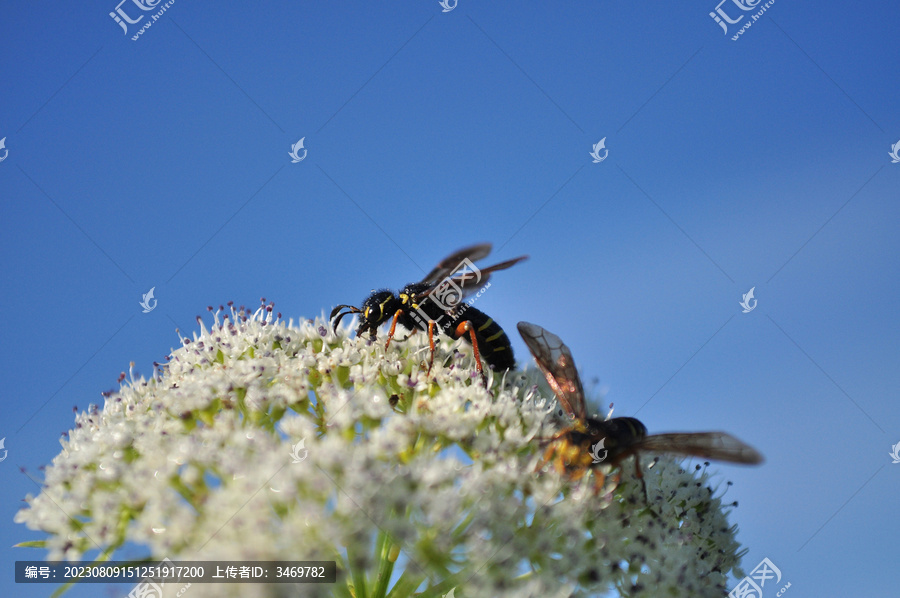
x=389, y=553
x=463, y=527
x=357, y=577
x=406, y=585
x=101, y=558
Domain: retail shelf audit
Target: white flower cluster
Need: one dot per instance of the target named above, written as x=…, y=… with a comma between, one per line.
x=414, y=482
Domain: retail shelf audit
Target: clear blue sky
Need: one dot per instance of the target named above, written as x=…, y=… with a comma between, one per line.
x=761, y=162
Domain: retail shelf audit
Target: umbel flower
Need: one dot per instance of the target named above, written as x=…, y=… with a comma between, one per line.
x=415, y=483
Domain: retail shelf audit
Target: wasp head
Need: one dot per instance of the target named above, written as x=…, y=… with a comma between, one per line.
x=375, y=310
x=378, y=308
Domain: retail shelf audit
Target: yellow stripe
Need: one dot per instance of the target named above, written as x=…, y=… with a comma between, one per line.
x=486, y=324
x=499, y=349
x=495, y=337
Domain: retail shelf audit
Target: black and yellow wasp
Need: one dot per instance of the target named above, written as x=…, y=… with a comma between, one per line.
x=589, y=442
x=438, y=301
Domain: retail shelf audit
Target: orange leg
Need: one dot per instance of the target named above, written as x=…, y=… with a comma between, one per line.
x=577, y=474
x=616, y=478
x=393, y=328
x=431, y=324
x=558, y=464
x=461, y=330
x=547, y=455
x=599, y=480
x=553, y=447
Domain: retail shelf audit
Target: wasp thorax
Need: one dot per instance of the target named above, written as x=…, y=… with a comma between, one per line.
x=411, y=293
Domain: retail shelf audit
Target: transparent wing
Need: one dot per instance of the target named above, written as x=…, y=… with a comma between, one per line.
x=450, y=263
x=556, y=361
x=708, y=445
x=466, y=281
x=469, y=283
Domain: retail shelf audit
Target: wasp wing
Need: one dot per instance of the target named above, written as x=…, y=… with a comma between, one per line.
x=470, y=281
x=451, y=263
x=465, y=281
x=556, y=361
x=720, y=446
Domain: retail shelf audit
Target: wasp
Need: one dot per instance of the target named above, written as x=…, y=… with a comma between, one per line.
x=589, y=442
x=438, y=301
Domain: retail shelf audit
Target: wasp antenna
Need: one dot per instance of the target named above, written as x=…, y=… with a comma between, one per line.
x=337, y=321
x=335, y=311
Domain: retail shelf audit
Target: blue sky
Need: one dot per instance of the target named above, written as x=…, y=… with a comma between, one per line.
x=761, y=162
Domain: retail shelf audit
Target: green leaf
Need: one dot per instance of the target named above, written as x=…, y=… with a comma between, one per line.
x=31, y=544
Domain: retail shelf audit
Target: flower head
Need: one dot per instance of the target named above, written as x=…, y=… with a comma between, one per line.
x=265, y=440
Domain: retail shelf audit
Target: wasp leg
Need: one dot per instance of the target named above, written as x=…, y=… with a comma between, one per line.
x=548, y=454
x=599, y=480
x=616, y=478
x=578, y=474
x=552, y=446
x=468, y=327
x=545, y=459
x=640, y=476
x=431, y=324
x=393, y=328
x=559, y=463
